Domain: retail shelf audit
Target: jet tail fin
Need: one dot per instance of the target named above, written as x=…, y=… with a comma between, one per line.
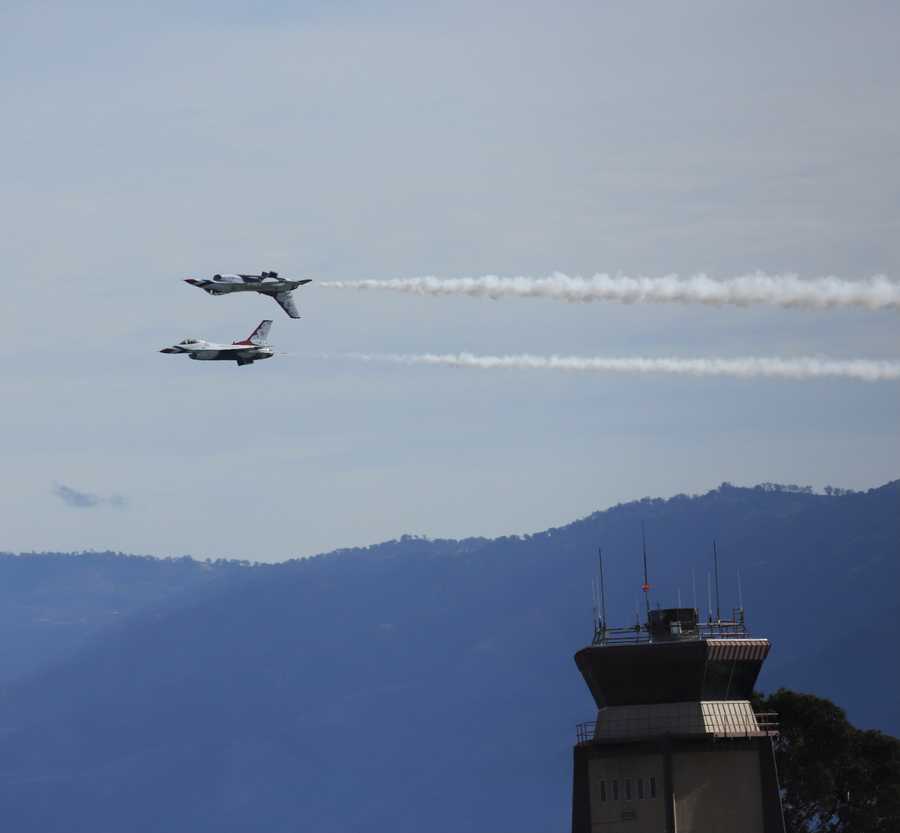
x=258, y=337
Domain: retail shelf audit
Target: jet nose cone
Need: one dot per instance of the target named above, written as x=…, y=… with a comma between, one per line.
x=169, y=350
x=191, y=281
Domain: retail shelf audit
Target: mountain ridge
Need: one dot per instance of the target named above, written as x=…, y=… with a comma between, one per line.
x=354, y=690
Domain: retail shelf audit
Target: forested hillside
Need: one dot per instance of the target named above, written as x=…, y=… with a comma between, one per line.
x=53, y=604
x=424, y=684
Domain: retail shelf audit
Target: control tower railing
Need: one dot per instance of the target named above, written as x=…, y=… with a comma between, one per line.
x=673, y=631
x=760, y=724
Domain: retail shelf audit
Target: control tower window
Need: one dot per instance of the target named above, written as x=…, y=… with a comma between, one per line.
x=652, y=787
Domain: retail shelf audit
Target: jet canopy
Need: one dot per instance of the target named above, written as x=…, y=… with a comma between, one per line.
x=188, y=341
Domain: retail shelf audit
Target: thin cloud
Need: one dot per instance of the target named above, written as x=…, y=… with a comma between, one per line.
x=86, y=500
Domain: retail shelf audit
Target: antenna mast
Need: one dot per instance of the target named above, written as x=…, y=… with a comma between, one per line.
x=602, y=588
x=694, y=586
x=716, y=562
x=646, y=585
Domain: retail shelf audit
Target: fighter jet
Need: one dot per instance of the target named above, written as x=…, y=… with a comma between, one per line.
x=266, y=283
x=252, y=349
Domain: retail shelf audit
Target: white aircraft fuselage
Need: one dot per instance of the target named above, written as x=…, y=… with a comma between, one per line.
x=266, y=283
x=252, y=349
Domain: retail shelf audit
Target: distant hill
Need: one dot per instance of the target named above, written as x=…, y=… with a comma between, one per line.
x=425, y=685
x=53, y=604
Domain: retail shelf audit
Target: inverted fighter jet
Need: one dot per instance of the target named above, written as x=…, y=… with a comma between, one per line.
x=266, y=283
x=252, y=349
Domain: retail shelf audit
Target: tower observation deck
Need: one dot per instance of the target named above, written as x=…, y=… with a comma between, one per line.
x=676, y=746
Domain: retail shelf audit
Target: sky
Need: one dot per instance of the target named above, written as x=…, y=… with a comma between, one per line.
x=345, y=141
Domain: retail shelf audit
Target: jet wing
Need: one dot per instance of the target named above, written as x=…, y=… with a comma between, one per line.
x=286, y=302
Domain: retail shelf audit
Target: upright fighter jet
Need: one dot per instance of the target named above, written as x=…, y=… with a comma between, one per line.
x=266, y=283
x=252, y=349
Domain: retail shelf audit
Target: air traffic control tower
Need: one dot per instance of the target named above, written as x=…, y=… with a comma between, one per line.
x=676, y=746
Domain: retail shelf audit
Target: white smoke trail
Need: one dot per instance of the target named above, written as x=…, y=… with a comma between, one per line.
x=788, y=290
x=801, y=368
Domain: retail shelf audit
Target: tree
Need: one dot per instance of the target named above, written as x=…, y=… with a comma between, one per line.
x=834, y=778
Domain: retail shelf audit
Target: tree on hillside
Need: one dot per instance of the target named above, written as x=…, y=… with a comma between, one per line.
x=834, y=778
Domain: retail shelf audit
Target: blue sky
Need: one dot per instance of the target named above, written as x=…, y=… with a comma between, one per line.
x=344, y=141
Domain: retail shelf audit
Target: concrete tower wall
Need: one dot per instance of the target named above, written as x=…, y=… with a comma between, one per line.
x=628, y=794
x=717, y=790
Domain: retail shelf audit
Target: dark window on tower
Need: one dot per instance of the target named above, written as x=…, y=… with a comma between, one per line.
x=640, y=786
x=615, y=790
x=652, y=787
x=603, y=790
x=628, y=789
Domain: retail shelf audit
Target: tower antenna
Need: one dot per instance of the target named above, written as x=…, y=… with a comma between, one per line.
x=602, y=587
x=708, y=596
x=740, y=591
x=716, y=562
x=694, y=586
x=646, y=585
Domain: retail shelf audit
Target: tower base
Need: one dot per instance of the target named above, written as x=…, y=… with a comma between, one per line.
x=696, y=784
